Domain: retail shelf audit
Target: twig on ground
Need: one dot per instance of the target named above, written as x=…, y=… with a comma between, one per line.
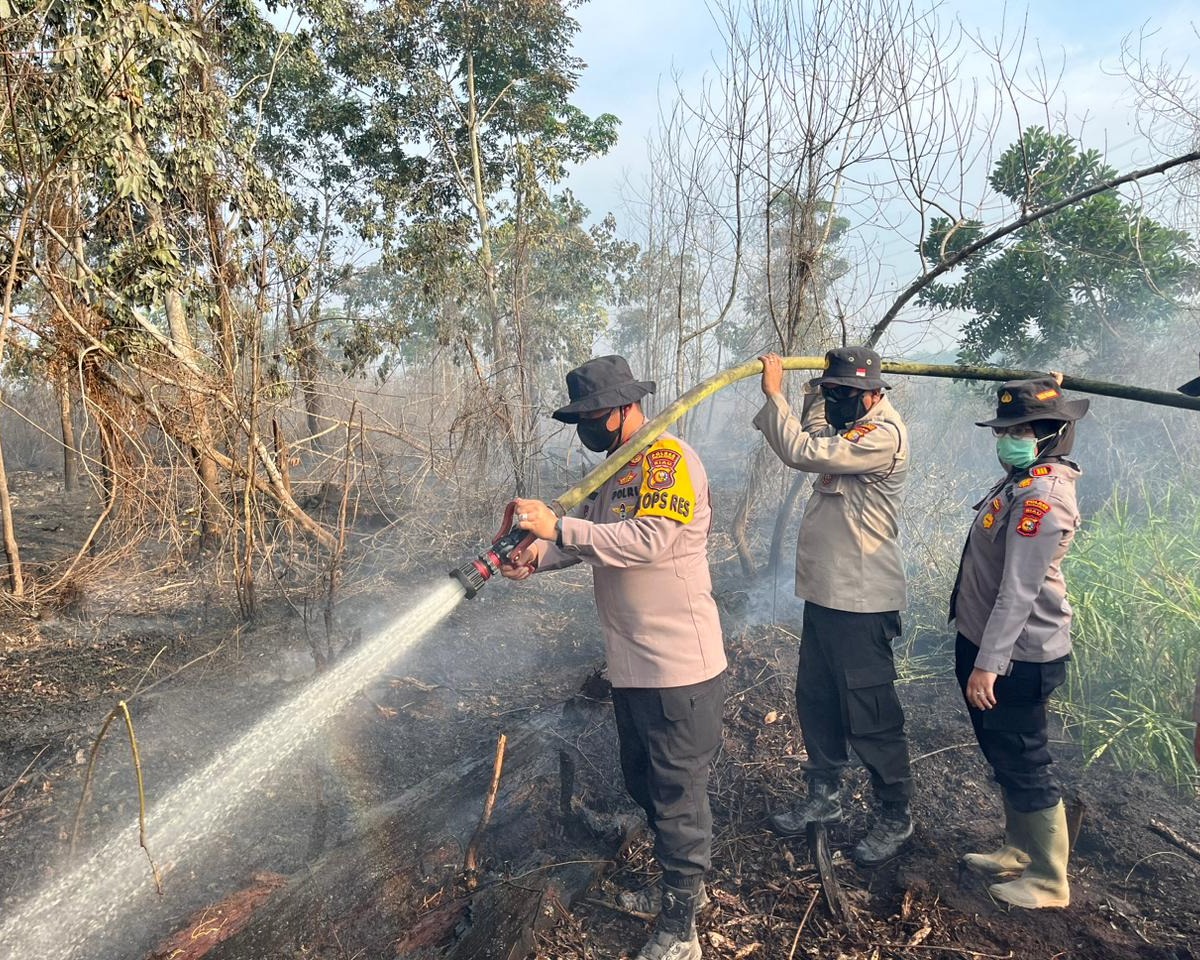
x=948, y=947
x=16, y=783
x=173, y=674
x=803, y=920
x=1182, y=842
x=934, y=753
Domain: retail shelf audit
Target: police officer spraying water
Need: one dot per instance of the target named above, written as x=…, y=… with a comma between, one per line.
x=1014, y=632
x=644, y=533
x=850, y=575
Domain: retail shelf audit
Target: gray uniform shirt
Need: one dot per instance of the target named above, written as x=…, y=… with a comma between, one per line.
x=848, y=553
x=1010, y=599
x=645, y=535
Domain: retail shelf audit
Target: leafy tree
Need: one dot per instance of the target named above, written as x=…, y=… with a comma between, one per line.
x=1090, y=279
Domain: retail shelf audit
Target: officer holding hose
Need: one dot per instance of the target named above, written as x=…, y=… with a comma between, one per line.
x=850, y=574
x=644, y=533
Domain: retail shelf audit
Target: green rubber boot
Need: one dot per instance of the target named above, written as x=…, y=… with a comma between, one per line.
x=1044, y=882
x=1010, y=860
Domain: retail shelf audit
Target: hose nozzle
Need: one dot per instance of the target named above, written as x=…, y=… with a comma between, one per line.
x=474, y=573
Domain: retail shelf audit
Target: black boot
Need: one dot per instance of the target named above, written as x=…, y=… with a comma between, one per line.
x=649, y=899
x=675, y=930
x=890, y=832
x=823, y=805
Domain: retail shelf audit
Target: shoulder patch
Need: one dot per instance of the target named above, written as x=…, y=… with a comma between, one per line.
x=1032, y=505
x=854, y=434
x=667, y=489
x=1041, y=471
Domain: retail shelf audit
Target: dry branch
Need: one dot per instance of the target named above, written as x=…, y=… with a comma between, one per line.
x=1182, y=842
x=470, y=862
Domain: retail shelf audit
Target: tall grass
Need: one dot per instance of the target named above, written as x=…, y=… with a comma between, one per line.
x=1133, y=580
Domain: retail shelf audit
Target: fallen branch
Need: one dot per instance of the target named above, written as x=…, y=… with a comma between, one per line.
x=1182, y=842
x=470, y=862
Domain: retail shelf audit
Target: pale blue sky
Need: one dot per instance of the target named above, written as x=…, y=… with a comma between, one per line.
x=633, y=47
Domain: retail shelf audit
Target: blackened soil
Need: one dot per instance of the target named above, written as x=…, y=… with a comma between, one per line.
x=1134, y=894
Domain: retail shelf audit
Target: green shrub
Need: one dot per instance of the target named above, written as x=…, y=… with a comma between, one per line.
x=1132, y=577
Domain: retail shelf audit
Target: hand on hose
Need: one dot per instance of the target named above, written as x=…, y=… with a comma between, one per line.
x=536, y=517
x=1057, y=375
x=521, y=564
x=980, y=693
x=772, y=374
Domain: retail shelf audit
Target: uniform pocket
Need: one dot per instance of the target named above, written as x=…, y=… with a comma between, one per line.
x=1021, y=717
x=871, y=702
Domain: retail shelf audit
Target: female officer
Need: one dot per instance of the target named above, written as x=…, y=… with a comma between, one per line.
x=1013, y=620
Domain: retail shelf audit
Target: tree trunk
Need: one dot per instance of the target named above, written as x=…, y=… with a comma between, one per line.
x=70, y=450
x=12, y=553
x=741, y=519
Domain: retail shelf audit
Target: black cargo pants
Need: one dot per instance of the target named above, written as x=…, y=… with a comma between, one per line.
x=845, y=695
x=1013, y=734
x=668, y=736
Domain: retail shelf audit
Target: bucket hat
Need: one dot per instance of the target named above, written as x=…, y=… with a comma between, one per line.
x=858, y=367
x=601, y=384
x=1023, y=401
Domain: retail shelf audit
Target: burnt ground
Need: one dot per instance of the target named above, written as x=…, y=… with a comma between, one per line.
x=358, y=853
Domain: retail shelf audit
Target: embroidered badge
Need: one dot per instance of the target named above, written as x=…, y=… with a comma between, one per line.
x=660, y=465
x=854, y=434
x=624, y=510
x=997, y=503
x=1006, y=397
x=666, y=489
x=1047, y=394
x=1040, y=505
x=626, y=477
x=989, y=521
x=1042, y=471
x=1028, y=526
x=1025, y=483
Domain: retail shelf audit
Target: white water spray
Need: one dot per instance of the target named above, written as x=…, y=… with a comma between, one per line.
x=83, y=913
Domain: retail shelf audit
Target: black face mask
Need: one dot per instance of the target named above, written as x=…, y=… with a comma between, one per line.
x=843, y=405
x=594, y=435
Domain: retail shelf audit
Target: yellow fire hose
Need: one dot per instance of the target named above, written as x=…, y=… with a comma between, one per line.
x=651, y=430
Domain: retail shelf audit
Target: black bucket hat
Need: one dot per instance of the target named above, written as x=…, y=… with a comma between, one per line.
x=858, y=367
x=601, y=384
x=1023, y=401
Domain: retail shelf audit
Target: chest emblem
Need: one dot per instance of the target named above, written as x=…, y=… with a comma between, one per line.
x=1027, y=482
x=988, y=521
x=625, y=510
x=1042, y=471
x=997, y=503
